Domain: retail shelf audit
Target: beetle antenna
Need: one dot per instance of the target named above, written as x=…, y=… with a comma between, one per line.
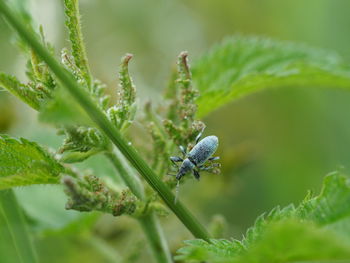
x=177, y=191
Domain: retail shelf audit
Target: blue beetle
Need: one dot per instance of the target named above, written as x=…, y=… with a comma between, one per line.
x=195, y=160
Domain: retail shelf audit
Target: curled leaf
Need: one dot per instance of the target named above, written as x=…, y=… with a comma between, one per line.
x=240, y=66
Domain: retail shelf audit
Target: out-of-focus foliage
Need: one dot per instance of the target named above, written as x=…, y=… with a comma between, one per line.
x=62, y=109
x=287, y=234
x=8, y=116
x=241, y=65
x=16, y=244
x=43, y=206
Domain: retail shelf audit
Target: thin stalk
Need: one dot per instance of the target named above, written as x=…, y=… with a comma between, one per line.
x=105, y=249
x=67, y=80
x=15, y=241
x=156, y=238
x=76, y=38
x=129, y=178
x=149, y=223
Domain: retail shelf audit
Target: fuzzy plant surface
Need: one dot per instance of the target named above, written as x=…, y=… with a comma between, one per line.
x=240, y=66
x=317, y=229
x=66, y=95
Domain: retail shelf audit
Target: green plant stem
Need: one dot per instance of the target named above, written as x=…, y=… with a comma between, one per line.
x=76, y=38
x=129, y=178
x=105, y=249
x=149, y=222
x=67, y=80
x=156, y=238
x=15, y=241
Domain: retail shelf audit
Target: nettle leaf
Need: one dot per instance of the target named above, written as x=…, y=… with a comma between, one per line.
x=283, y=241
x=332, y=205
x=302, y=227
x=44, y=205
x=277, y=214
x=25, y=163
x=240, y=66
x=292, y=241
x=218, y=250
x=22, y=91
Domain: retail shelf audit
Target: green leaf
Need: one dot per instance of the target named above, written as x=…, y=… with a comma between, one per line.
x=15, y=243
x=22, y=91
x=291, y=233
x=25, y=163
x=277, y=214
x=332, y=205
x=218, y=250
x=291, y=241
x=240, y=66
x=76, y=157
x=45, y=206
x=283, y=241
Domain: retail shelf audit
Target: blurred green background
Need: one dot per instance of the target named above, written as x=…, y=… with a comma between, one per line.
x=275, y=145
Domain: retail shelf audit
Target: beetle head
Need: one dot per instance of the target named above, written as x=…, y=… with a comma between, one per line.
x=185, y=167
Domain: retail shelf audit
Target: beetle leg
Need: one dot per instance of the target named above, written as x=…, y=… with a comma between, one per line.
x=199, y=135
x=183, y=150
x=208, y=168
x=196, y=174
x=175, y=159
x=214, y=158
